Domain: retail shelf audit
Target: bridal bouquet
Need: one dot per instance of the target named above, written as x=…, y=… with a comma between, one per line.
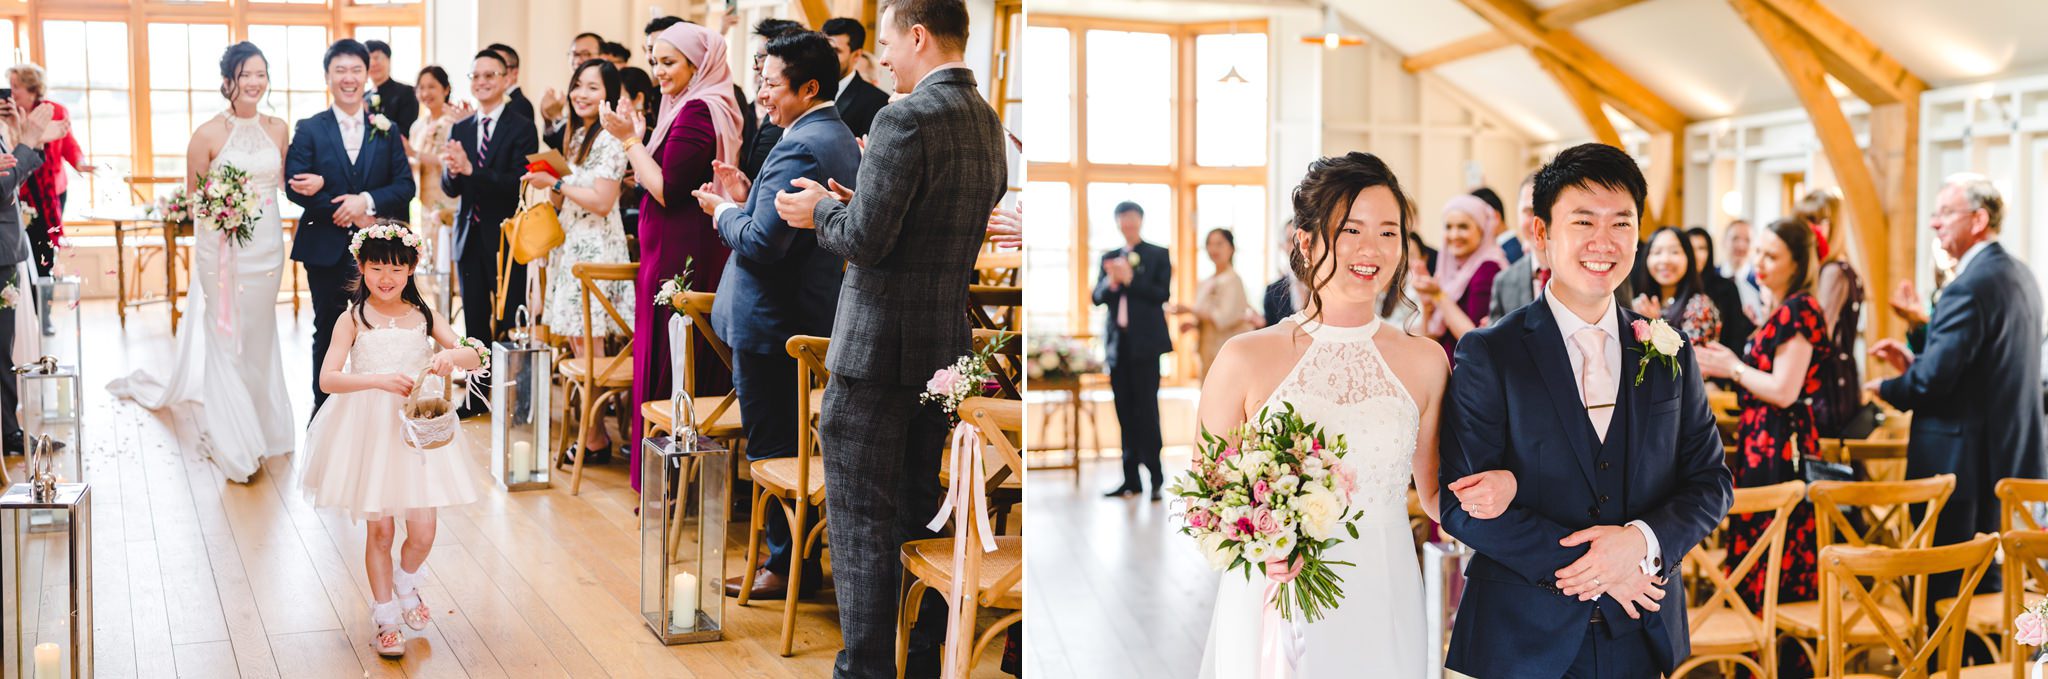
x=969, y=376
x=224, y=201
x=1273, y=502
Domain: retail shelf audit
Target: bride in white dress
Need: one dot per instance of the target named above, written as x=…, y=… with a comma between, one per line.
x=228, y=378
x=1380, y=388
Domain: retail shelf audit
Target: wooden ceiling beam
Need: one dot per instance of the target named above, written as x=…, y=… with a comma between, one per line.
x=1558, y=18
x=1584, y=97
x=1860, y=64
x=1517, y=20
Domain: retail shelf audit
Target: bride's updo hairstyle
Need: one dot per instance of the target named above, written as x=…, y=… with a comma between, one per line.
x=231, y=64
x=1321, y=202
x=388, y=242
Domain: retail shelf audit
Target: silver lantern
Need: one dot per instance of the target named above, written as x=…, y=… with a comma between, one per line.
x=46, y=573
x=685, y=484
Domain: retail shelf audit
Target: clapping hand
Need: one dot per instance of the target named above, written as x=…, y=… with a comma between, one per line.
x=306, y=184
x=1907, y=302
x=461, y=109
x=1891, y=351
x=621, y=120
x=708, y=200
x=1006, y=227
x=7, y=163
x=551, y=104
x=1715, y=360
x=796, y=207
x=456, y=159
x=1649, y=306
x=730, y=182
x=1485, y=495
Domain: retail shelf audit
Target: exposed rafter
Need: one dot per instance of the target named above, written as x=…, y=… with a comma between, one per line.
x=1558, y=18
x=1583, y=96
x=1860, y=64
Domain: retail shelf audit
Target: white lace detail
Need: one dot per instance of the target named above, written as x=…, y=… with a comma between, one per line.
x=1344, y=384
x=389, y=348
x=250, y=148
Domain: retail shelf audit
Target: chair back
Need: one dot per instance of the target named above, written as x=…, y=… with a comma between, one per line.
x=1008, y=362
x=811, y=378
x=1000, y=423
x=1723, y=597
x=998, y=267
x=1881, y=459
x=1885, y=508
x=697, y=307
x=994, y=307
x=2016, y=501
x=589, y=275
x=1845, y=568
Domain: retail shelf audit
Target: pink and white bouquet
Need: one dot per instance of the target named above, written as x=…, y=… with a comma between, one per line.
x=1060, y=358
x=969, y=376
x=1272, y=503
x=224, y=201
x=2031, y=628
x=174, y=208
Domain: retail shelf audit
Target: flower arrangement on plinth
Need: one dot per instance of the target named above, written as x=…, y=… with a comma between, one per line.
x=1060, y=358
x=1270, y=505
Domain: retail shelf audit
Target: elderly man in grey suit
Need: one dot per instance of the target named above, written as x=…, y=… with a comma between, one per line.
x=933, y=171
x=779, y=283
x=24, y=139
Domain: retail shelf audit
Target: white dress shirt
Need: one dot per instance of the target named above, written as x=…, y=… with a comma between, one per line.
x=1569, y=324
x=354, y=129
x=1970, y=255
x=845, y=83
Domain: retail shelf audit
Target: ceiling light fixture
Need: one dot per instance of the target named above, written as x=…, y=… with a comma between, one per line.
x=1333, y=34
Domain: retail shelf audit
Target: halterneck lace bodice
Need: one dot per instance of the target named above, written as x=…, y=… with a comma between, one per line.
x=390, y=346
x=250, y=148
x=1344, y=384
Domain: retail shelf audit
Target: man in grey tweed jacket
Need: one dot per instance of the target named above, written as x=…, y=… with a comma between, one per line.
x=20, y=155
x=934, y=170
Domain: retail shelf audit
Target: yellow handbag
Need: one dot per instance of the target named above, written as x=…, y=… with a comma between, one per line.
x=535, y=230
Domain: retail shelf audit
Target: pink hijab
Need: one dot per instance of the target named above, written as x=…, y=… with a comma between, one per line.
x=1454, y=274
x=712, y=85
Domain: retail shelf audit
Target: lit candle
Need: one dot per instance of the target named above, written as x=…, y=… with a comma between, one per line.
x=522, y=460
x=47, y=660
x=682, y=597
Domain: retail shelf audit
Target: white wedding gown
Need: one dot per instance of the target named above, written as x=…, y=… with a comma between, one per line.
x=1345, y=385
x=230, y=386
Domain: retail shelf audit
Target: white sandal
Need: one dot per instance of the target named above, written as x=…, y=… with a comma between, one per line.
x=418, y=616
x=390, y=641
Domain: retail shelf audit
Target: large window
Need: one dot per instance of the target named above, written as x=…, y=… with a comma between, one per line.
x=1152, y=114
x=138, y=76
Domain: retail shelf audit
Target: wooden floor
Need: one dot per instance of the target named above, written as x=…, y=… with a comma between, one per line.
x=198, y=577
x=1114, y=590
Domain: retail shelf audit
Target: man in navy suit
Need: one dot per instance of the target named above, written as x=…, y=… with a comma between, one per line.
x=1134, y=284
x=484, y=159
x=1974, y=387
x=1619, y=477
x=779, y=283
x=515, y=100
x=347, y=168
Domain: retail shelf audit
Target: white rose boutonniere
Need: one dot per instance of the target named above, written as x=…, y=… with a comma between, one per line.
x=1132, y=258
x=10, y=296
x=380, y=124
x=1660, y=342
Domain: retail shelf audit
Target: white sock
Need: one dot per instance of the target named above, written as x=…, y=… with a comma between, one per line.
x=407, y=586
x=384, y=612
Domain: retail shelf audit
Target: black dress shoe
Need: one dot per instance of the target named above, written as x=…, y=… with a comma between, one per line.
x=1122, y=491
x=1155, y=495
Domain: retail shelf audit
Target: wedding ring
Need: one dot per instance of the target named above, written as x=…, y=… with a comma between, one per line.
x=1596, y=582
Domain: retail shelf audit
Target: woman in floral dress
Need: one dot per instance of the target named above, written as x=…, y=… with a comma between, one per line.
x=1775, y=380
x=588, y=199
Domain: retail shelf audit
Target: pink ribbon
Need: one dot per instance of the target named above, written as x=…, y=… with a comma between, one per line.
x=964, y=495
x=224, y=305
x=1279, y=640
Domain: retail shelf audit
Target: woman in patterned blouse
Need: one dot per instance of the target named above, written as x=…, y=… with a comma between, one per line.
x=1673, y=291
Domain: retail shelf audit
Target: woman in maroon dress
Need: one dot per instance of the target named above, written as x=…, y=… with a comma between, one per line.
x=699, y=123
x=1776, y=380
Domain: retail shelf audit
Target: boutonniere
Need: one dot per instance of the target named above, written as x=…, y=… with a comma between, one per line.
x=10, y=296
x=1132, y=258
x=379, y=125
x=376, y=101
x=1659, y=342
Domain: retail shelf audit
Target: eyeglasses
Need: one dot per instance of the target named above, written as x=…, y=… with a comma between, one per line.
x=485, y=76
x=582, y=54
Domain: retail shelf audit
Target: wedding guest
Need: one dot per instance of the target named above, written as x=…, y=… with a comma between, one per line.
x=699, y=123
x=1403, y=307
x=1220, y=310
x=618, y=54
x=1457, y=296
x=1518, y=284
x=779, y=283
x=1282, y=296
x=1774, y=380
x=394, y=99
x=1838, y=408
x=1510, y=242
x=765, y=137
x=652, y=31
x=1134, y=283
x=47, y=188
x=482, y=163
x=26, y=136
x=858, y=99
x=1739, y=269
x=931, y=174
x=425, y=141
x=515, y=100
x=637, y=88
x=1675, y=293
x=588, y=200
x=584, y=47
x=1727, y=299
x=1975, y=390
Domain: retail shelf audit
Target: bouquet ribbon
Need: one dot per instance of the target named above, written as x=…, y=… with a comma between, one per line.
x=1279, y=639
x=224, y=307
x=964, y=495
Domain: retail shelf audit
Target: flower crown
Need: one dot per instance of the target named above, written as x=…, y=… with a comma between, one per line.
x=397, y=231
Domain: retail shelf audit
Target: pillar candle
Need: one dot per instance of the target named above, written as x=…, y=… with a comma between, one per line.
x=522, y=460
x=47, y=661
x=682, y=597
x=64, y=398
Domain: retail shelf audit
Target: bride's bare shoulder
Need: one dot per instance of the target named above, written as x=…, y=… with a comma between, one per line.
x=1421, y=360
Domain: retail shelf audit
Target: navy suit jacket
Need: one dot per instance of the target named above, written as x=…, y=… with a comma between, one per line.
x=1513, y=404
x=1974, y=390
x=779, y=283
x=380, y=168
x=491, y=191
x=1151, y=283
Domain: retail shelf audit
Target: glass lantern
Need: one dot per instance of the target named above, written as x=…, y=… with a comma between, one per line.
x=51, y=402
x=1443, y=585
x=61, y=336
x=46, y=572
x=520, y=370
x=683, y=514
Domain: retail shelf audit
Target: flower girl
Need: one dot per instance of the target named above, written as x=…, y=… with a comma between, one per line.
x=356, y=456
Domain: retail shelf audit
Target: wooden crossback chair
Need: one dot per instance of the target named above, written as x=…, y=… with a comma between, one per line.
x=1881, y=459
x=1988, y=621
x=798, y=483
x=1724, y=629
x=1844, y=568
x=1885, y=510
x=720, y=421
x=2026, y=551
x=998, y=267
x=998, y=575
x=1008, y=365
x=594, y=379
x=1005, y=300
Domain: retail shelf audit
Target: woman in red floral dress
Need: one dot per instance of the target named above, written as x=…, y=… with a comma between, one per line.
x=1775, y=379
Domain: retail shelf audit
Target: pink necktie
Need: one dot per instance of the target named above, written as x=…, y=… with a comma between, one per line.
x=1596, y=385
x=1123, y=302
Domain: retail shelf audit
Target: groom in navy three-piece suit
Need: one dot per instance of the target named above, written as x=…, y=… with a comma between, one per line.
x=346, y=172
x=1617, y=480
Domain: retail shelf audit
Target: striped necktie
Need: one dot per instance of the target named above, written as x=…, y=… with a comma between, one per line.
x=483, y=150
